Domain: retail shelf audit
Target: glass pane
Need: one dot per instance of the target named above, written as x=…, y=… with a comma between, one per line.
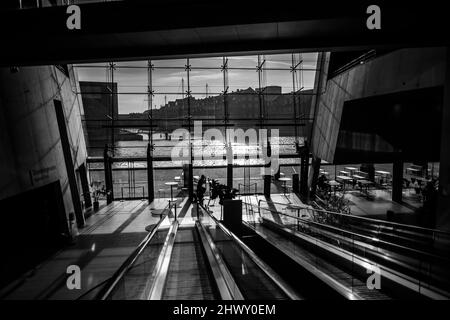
x=131, y=77
x=169, y=81
x=309, y=60
x=278, y=61
x=170, y=63
x=132, y=103
x=92, y=72
x=210, y=108
x=243, y=62
x=242, y=79
x=243, y=104
x=276, y=82
x=206, y=82
x=206, y=63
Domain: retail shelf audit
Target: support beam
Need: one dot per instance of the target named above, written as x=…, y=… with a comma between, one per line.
x=267, y=154
x=295, y=183
x=108, y=176
x=314, y=176
x=230, y=166
x=150, y=184
x=397, y=180
x=443, y=211
x=69, y=163
x=267, y=181
x=191, y=182
x=304, y=164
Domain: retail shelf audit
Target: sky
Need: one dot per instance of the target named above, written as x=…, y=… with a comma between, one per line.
x=167, y=75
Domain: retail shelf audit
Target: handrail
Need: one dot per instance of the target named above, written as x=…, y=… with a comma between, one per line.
x=356, y=234
x=400, y=278
x=162, y=266
x=119, y=274
x=406, y=226
x=225, y=282
x=402, y=275
x=265, y=268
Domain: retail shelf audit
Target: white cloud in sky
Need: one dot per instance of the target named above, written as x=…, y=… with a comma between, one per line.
x=167, y=83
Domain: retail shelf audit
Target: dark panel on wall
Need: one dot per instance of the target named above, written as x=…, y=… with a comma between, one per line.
x=373, y=129
x=34, y=227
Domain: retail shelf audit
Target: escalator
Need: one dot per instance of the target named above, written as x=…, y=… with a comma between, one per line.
x=203, y=261
x=310, y=268
x=343, y=259
x=188, y=276
x=254, y=278
x=185, y=271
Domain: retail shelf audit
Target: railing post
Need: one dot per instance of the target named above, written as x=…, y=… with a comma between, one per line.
x=304, y=164
x=150, y=185
x=397, y=179
x=108, y=176
x=267, y=185
x=229, y=166
x=295, y=183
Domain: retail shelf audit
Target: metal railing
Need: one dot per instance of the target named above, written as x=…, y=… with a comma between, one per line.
x=211, y=220
x=424, y=272
x=350, y=233
x=433, y=237
x=132, y=191
x=113, y=282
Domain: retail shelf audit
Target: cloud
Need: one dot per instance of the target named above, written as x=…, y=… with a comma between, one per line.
x=167, y=82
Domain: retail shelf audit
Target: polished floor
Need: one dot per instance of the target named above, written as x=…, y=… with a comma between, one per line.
x=102, y=246
x=112, y=233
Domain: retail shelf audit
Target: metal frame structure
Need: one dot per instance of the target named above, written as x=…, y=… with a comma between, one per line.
x=264, y=118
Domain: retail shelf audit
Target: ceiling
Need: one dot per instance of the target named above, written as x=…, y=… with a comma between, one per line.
x=136, y=30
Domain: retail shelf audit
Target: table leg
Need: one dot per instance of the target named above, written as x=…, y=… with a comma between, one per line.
x=171, y=192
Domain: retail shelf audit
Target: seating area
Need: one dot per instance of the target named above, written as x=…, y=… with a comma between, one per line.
x=353, y=182
x=349, y=179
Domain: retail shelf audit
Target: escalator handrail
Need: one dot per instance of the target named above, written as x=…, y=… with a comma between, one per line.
x=401, y=275
x=389, y=223
x=162, y=266
x=262, y=265
x=416, y=251
x=128, y=263
x=409, y=282
x=225, y=282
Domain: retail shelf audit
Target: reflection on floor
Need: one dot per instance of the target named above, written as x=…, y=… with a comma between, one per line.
x=374, y=206
x=101, y=247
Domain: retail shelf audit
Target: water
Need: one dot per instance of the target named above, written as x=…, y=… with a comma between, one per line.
x=167, y=170
x=206, y=153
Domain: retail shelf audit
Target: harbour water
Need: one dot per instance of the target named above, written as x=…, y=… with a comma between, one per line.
x=130, y=178
x=205, y=153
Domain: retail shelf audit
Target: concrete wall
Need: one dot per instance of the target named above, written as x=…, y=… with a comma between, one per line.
x=401, y=70
x=30, y=146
